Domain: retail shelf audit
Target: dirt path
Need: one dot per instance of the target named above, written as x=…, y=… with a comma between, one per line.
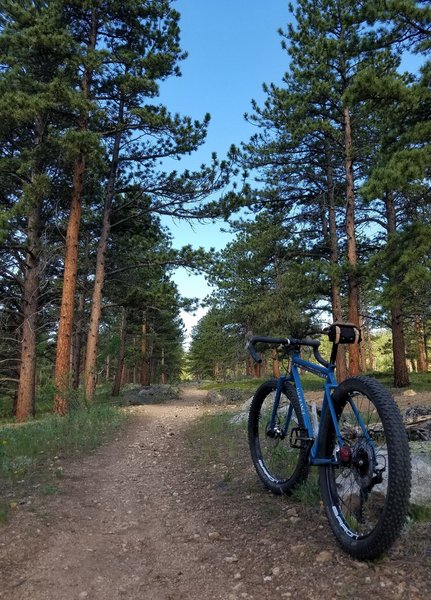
x=139, y=520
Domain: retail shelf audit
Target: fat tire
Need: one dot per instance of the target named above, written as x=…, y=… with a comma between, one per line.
x=271, y=481
x=393, y=514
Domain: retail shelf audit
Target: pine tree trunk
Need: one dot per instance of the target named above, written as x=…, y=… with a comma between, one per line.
x=163, y=374
x=275, y=364
x=352, y=277
x=96, y=311
x=422, y=361
x=96, y=303
x=369, y=347
x=362, y=348
x=144, y=355
x=401, y=374
x=121, y=354
x=75, y=365
x=337, y=314
x=65, y=326
x=25, y=398
x=26, y=386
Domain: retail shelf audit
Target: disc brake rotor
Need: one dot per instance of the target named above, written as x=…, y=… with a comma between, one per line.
x=363, y=463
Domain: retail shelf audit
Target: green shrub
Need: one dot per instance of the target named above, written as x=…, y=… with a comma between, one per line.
x=26, y=447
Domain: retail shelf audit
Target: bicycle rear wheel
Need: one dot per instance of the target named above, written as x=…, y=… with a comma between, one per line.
x=366, y=495
x=279, y=456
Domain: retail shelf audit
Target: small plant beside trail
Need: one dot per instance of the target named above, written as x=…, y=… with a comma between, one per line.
x=31, y=454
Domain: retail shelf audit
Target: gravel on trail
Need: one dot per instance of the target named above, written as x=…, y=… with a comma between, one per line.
x=139, y=519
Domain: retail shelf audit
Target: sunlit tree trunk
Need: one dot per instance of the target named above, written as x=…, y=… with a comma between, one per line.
x=96, y=302
x=65, y=327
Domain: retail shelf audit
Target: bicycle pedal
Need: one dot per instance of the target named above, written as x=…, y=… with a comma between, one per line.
x=297, y=440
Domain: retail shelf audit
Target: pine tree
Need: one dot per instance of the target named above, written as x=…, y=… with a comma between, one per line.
x=329, y=48
x=83, y=145
x=142, y=44
x=34, y=97
x=400, y=157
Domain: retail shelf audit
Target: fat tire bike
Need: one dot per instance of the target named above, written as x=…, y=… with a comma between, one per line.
x=356, y=437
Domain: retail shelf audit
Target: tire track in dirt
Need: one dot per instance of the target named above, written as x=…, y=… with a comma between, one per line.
x=139, y=519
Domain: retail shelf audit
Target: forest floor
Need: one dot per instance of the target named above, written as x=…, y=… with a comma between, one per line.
x=154, y=516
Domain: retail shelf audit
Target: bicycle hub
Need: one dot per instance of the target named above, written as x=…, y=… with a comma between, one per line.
x=345, y=454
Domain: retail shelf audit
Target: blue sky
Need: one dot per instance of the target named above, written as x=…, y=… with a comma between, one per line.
x=233, y=48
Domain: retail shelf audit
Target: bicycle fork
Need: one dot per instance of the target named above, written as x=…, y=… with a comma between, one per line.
x=277, y=430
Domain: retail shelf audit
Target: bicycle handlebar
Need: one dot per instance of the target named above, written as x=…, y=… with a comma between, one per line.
x=289, y=342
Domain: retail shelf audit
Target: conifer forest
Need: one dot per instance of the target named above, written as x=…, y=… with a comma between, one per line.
x=329, y=200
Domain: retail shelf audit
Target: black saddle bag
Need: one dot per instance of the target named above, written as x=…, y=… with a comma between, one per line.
x=344, y=333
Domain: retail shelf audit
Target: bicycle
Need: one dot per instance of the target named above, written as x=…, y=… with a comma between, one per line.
x=356, y=438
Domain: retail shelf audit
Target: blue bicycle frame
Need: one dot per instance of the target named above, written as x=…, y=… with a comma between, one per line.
x=330, y=384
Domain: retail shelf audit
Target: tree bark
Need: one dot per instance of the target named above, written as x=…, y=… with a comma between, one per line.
x=369, y=347
x=337, y=314
x=362, y=348
x=75, y=366
x=96, y=303
x=121, y=354
x=26, y=386
x=30, y=300
x=401, y=374
x=422, y=360
x=162, y=368
x=144, y=356
x=275, y=364
x=65, y=327
x=352, y=259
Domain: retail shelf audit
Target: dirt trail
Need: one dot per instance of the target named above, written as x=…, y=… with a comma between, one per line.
x=138, y=520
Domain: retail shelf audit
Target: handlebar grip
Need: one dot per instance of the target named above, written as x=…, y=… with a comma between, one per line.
x=285, y=342
x=255, y=356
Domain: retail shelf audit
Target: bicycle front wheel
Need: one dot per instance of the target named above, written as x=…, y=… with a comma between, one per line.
x=366, y=495
x=279, y=455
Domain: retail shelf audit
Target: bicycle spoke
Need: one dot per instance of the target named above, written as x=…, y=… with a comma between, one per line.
x=278, y=462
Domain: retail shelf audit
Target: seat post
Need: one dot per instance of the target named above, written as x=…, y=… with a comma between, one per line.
x=333, y=358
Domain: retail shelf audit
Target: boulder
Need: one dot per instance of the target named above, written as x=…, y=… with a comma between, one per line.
x=151, y=394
